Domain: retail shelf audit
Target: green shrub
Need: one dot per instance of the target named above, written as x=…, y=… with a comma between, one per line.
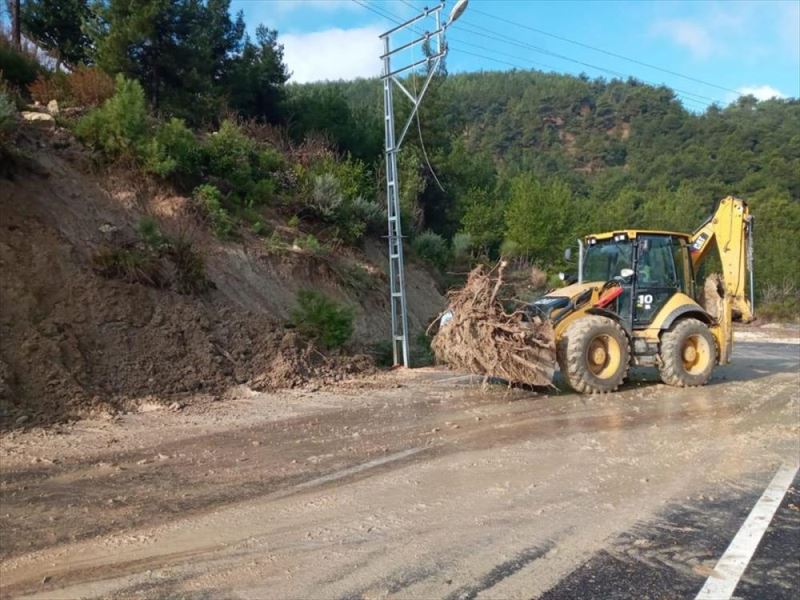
x=231, y=155
x=275, y=244
x=326, y=197
x=510, y=249
x=173, y=150
x=190, y=267
x=270, y=161
x=19, y=69
x=461, y=247
x=208, y=202
x=146, y=263
x=151, y=235
x=421, y=351
x=118, y=127
x=432, y=248
x=261, y=193
x=322, y=319
x=382, y=353
x=310, y=244
x=260, y=228
x=131, y=265
x=372, y=214
x=352, y=176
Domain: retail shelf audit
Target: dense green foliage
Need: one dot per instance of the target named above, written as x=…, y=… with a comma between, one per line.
x=58, y=26
x=322, y=319
x=17, y=68
x=119, y=126
x=529, y=161
x=192, y=59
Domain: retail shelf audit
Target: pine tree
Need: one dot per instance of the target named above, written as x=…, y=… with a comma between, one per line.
x=58, y=27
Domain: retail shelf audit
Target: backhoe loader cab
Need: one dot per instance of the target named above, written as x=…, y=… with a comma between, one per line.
x=635, y=303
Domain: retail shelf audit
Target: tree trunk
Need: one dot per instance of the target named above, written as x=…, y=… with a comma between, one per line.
x=16, y=35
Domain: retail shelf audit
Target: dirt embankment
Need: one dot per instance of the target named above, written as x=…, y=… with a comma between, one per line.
x=73, y=341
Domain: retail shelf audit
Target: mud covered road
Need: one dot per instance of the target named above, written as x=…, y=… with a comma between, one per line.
x=416, y=485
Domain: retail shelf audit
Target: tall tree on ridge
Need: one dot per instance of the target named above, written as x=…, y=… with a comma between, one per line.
x=57, y=26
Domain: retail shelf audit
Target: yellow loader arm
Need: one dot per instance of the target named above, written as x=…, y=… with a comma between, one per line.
x=730, y=230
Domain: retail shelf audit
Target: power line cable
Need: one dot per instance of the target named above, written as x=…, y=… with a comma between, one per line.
x=502, y=38
x=562, y=38
x=692, y=97
x=604, y=51
x=421, y=141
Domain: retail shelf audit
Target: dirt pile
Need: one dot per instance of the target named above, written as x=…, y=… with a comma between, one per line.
x=72, y=341
x=482, y=338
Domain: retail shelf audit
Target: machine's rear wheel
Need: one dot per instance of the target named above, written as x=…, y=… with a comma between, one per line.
x=688, y=354
x=594, y=355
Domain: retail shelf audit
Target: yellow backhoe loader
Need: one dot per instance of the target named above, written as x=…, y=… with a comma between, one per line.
x=634, y=303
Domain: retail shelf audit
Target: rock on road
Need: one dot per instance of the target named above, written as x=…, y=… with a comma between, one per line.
x=423, y=485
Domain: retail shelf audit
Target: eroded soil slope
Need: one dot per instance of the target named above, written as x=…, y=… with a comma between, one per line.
x=71, y=340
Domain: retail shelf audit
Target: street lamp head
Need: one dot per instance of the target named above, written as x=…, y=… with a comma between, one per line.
x=457, y=11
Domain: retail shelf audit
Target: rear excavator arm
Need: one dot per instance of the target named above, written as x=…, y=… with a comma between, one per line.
x=730, y=231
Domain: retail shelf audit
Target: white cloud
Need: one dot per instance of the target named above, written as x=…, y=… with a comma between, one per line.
x=761, y=92
x=686, y=33
x=333, y=53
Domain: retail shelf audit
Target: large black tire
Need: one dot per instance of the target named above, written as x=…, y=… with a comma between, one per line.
x=688, y=354
x=594, y=355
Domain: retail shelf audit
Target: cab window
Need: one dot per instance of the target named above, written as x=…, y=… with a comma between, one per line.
x=655, y=266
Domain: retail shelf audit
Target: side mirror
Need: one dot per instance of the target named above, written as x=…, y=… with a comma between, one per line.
x=568, y=254
x=626, y=273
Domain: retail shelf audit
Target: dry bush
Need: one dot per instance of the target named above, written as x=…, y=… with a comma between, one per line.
x=276, y=136
x=132, y=265
x=780, y=302
x=89, y=86
x=316, y=147
x=482, y=338
x=45, y=89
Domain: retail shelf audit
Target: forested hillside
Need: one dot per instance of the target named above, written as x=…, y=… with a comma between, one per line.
x=528, y=160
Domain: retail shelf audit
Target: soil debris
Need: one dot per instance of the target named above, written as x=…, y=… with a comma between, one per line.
x=482, y=338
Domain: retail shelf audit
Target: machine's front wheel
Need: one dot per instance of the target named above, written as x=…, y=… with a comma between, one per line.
x=688, y=354
x=594, y=355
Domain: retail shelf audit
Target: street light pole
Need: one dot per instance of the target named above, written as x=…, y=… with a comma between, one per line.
x=397, y=287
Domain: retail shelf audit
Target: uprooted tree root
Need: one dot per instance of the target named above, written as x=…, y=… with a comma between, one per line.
x=483, y=339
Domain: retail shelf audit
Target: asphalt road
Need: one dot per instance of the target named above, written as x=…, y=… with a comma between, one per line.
x=425, y=487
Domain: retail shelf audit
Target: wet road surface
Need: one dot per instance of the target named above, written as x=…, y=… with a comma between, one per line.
x=432, y=488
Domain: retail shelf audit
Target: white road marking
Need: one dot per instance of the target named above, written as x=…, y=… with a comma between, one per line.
x=729, y=569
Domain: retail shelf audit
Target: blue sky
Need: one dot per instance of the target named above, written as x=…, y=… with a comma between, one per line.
x=749, y=47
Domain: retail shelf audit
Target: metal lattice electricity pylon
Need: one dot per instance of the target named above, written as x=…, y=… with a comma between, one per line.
x=397, y=284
